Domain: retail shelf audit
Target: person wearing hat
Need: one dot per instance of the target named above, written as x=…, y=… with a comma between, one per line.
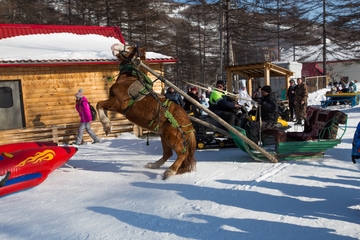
x=300, y=102
x=174, y=96
x=194, y=94
x=291, y=98
x=83, y=108
x=269, y=113
x=222, y=106
x=244, y=98
x=269, y=108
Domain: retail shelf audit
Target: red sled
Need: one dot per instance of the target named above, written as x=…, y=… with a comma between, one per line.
x=30, y=164
x=11, y=147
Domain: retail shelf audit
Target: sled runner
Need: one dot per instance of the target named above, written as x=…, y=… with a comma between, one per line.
x=323, y=130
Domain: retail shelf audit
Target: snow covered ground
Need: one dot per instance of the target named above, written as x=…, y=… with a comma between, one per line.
x=111, y=195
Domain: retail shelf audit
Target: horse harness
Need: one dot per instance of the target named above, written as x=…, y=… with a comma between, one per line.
x=144, y=86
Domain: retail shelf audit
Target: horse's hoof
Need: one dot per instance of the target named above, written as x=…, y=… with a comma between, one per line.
x=107, y=128
x=168, y=173
x=152, y=166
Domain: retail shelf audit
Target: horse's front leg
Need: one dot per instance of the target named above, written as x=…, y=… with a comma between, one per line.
x=167, y=153
x=105, y=121
x=173, y=169
x=174, y=142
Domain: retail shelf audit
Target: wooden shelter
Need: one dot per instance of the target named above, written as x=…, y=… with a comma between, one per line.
x=37, y=100
x=258, y=70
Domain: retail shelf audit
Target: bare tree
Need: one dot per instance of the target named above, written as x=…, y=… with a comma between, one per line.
x=194, y=30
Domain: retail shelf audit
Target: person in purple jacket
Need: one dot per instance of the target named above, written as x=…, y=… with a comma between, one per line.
x=83, y=108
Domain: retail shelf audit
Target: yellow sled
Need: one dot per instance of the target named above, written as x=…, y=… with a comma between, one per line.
x=281, y=123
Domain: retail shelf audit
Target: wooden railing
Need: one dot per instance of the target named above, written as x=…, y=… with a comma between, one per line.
x=66, y=133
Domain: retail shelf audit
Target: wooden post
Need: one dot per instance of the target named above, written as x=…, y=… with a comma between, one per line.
x=250, y=87
x=55, y=134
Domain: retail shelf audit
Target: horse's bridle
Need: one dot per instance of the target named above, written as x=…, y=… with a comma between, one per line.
x=128, y=58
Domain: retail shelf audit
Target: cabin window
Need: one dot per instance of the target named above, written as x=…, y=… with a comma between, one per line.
x=6, y=97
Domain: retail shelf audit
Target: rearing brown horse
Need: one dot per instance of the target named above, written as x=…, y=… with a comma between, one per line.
x=132, y=96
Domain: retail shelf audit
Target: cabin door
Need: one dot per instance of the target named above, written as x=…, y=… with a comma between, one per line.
x=11, y=110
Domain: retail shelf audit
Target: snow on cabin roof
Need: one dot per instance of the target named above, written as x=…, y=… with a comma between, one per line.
x=48, y=44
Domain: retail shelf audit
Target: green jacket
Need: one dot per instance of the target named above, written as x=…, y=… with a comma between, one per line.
x=218, y=102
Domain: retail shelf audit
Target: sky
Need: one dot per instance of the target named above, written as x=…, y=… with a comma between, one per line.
x=109, y=194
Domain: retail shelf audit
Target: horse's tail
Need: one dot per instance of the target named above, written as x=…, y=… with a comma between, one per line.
x=189, y=162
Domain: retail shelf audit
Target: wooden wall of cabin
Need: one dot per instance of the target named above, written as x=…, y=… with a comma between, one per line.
x=48, y=92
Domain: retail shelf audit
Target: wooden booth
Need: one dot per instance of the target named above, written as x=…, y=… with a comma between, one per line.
x=257, y=70
x=37, y=97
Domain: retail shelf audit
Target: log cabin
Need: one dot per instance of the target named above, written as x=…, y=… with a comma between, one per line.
x=41, y=69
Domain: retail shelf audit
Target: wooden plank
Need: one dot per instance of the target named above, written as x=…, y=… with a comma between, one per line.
x=64, y=133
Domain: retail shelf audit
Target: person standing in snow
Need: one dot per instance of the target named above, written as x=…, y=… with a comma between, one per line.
x=83, y=108
x=291, y=98
x=300, y=102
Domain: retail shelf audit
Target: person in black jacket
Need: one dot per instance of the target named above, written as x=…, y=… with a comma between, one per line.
x=269, y=108
x=269, y=114
x=194, y=94
x=291, y=98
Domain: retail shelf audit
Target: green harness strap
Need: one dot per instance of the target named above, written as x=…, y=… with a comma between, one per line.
x=128, y=68
x=168, y=115
x=174, y=123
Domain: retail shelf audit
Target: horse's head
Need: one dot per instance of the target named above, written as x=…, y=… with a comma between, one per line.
x=126, y=53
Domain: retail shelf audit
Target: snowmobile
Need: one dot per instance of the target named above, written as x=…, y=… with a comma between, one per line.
x=284, y=110
x=206, y=135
